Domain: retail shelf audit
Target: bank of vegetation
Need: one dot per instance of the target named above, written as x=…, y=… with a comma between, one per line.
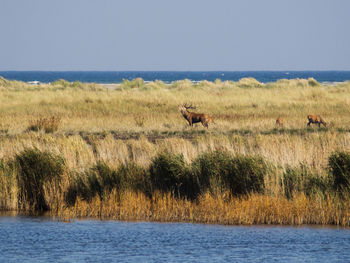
x=126, y=153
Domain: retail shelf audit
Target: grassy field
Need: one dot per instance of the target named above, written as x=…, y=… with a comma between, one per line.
x=132, y=124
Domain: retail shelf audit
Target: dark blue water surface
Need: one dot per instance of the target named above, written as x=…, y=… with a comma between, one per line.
x=170, y=76
x=36, y=239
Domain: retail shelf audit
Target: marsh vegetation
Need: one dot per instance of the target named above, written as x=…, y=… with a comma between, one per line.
x=126, y=152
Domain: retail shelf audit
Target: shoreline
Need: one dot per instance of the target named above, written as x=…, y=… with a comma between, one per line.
x=56, y=218
x=266, y=211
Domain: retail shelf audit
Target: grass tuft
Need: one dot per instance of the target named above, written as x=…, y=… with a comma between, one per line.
x=46, y=124
x=35, y=168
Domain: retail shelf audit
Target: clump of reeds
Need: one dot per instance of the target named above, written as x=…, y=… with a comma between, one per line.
x=46, y=124
x=213, y=172
x=339, y=164
x=35, y=169
x=169, y=173
x=302, y=180
x=134, y=178
x=8, y=185
x=101, y=179
x=98, y=180
x=219, y=172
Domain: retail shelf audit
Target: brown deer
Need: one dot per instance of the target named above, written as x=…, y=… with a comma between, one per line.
x=192, y=117
x=279, y=121
x=316, y=119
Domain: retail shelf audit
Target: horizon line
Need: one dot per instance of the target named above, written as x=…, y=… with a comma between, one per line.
x=306, y=70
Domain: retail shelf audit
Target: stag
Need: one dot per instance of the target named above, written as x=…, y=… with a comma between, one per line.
x=279, y=121
x=192, y=117
x=316, y=119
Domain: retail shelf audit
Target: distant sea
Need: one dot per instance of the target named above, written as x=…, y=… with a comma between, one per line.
x=170, y=76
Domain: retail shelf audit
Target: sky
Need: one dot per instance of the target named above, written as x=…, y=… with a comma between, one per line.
x=188, y=35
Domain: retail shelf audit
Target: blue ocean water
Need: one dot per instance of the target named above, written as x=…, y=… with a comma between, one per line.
x=170, y=76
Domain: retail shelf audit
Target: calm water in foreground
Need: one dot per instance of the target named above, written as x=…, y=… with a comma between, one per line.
x=38, y=239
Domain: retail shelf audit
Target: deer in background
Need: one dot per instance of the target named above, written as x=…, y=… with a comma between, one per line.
x=279, y=121
x=192, y=117
x=316, y=119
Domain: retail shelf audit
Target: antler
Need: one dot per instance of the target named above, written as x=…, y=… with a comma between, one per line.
x=189, y=106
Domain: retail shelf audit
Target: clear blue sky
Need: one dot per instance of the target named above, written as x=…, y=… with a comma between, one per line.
x=174, y=35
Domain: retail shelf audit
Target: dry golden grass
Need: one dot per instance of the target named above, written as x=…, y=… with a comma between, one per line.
x=234, y=105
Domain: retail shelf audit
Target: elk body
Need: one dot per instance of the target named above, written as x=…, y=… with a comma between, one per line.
x=279, y=121
x=316, y=119
x=192, y=117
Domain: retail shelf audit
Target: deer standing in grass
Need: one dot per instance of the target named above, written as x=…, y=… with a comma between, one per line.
x=316, y=119
x=192, y=117
x=279, y=121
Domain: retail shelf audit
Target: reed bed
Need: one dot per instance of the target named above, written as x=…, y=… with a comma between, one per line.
x=254, y=209
x=125, y=152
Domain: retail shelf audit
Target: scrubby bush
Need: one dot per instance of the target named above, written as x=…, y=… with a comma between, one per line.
x=339, y=165
x=35, y=168
x=219, y=172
